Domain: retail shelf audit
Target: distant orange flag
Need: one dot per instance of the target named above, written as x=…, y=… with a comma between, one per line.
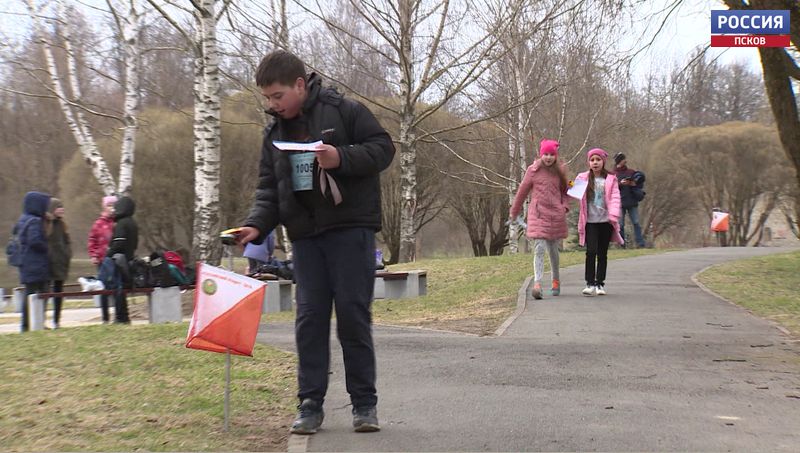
x=719, y=222
x=227, y=310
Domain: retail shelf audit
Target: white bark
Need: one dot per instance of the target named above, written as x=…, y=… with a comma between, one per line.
x=130, y=30
x=206, y=127
x=513, y=245
x=408, y=154
x=74, y=117
x=207, y=136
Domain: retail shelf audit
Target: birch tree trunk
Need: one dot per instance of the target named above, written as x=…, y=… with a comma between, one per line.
x=513, y=244
x=408, y=151
x=408, y=190
x=75, y=118
x=205, y=244
x=130, y=30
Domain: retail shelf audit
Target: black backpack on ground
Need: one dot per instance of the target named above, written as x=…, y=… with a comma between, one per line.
x=160, y=273
x=140, y=273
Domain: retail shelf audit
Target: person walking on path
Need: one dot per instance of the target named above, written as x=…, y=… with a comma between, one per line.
x=34, y=271
x=59, y=250
x=122, y=249
x=546, y=182
x=329, y=201
x=598, y=222
x=631, y=192
x=99, y=238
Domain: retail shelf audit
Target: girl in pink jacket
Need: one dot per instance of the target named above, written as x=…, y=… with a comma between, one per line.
x=546, y=183
x=598, y=223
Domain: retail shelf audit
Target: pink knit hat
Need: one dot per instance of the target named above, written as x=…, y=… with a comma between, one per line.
x=548, y=147
x=109, y=199
x=597, y=152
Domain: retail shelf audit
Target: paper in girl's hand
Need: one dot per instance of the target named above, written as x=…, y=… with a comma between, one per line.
x=578, y=189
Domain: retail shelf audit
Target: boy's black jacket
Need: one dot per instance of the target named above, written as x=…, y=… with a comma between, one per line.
x=365, y=149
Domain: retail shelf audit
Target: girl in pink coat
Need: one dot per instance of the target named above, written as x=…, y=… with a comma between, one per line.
x=546, y=183
x=598, y=223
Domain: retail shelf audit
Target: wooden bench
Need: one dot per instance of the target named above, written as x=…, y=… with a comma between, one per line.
x=163, y=304
x=401, y=284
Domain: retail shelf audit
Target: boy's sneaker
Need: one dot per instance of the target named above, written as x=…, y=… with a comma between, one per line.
x=537, y=290
x=600, y=290
x=365, y=419
x=590, y=290
x=309, y=417
x=556, y=288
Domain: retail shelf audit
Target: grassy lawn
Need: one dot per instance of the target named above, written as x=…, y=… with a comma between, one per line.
x=472, y=295
x=112, y=388
x=765, y=285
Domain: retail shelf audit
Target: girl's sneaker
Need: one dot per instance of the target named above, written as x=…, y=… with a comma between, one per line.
x=600, y=290
x=537, y=290
x=590, y=290
x=556, y=288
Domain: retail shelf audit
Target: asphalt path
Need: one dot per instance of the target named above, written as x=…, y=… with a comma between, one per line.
x=658, y=364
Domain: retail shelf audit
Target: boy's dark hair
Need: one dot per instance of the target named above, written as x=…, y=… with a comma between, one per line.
x=279, y=66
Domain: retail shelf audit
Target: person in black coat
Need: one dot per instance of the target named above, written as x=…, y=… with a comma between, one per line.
x=329, y=200
x=60, y=253
x=122, y=249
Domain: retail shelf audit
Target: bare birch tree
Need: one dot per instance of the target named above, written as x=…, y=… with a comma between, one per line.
x=129, y=29
x=435, y=53
x=203, y=42
x=66, y=88
x=70, y=102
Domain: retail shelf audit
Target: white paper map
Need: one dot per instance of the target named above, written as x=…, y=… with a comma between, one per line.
x=296, y=146
x=578, y=189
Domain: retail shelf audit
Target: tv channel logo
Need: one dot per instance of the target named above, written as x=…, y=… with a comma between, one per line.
x=750, y=28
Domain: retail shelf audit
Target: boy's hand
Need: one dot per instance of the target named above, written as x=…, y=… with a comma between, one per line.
x=247, y=234
x=327, y=156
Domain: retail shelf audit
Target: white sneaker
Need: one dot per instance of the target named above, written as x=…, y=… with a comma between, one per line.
x=601, y=291
x=589, y=290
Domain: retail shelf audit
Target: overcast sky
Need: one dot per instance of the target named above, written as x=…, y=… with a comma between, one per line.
x=687, y=27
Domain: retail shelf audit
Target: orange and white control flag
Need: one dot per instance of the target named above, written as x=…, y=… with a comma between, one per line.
x=719, y=222
x=227, y=310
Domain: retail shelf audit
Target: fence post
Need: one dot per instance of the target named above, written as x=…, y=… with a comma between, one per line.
x=19, y=299
x=36, y=312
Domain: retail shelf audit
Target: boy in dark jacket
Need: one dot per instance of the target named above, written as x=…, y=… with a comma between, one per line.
x=631, y=192
x=34, y=273
x=124, y=241
x=329, y=200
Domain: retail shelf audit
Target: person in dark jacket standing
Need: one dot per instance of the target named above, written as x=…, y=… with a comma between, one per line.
x=631, y=191
x=330, y=203
x=124, y=241
x=34, y=272
x=59, y=249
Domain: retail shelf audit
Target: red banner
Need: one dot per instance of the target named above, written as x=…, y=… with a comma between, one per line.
x=750, y=41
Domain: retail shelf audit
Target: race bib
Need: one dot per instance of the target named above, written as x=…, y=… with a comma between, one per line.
x=302, y=170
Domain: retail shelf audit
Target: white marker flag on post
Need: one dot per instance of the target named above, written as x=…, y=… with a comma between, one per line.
x=227, y=310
